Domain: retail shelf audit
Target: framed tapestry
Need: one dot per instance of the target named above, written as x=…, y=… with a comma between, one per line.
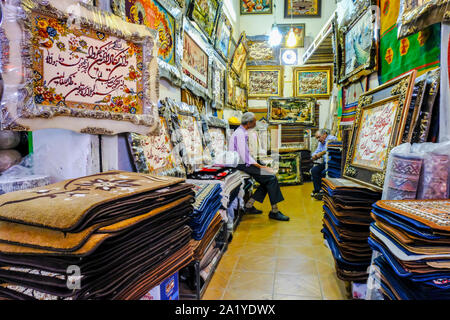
x=230, y=83
x=191, y=99
x=260, y=52
x=313, y=81
x=256, y=7
x=156, y=154
x=380, y=120
x=299, y=111
x=240, y=54
x=358, y=47
x=218, y=84
x=204, y=14
x=240, y=98
x=264, y=81
x=299, y=31
x=224, y=32
x=302, y=8
x=289, y=172
x=57, y=74
x=217, y=135
x=416, y=15
x=195, y=61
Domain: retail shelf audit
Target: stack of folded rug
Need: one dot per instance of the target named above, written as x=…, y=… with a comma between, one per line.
x=413, y=237
x=346, y=224
x=121, y=232
x=334, y=150
x=207, y=204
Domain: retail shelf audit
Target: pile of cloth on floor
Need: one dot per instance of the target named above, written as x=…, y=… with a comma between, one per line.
x=346, y=223
x=112, y=235
x=334, y=161
x=412, y=238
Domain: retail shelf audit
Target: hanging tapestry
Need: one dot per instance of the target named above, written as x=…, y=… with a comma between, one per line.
x=89, y=79
x=204, y=13
x=240, y=98
x=264, y=81
x=218, y=140
x=289, y=169
x=256, y=7
x=416, y=15
x=351, y=95
x=224, y=32
x=300, y=111
x=195, y=61
x=155, y=154
x=151, y=14
x=260, y=52
x=240, y=54
x=313, y=81
x=192, y=139
x=191, y=99
x=302, y=8
x=420, y=51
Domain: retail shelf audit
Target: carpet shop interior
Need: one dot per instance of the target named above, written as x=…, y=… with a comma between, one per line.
x=225, y=150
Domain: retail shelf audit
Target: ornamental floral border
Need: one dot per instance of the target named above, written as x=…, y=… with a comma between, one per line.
x=399, y=89
x=20, y=111
x=166, y=70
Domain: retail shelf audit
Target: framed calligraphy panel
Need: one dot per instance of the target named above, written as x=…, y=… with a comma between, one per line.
x=302, y=8
x=380, y=120
x=260, y=52
x=264, y=81
x=313, y=81
x=92, y=76
x=195, y=61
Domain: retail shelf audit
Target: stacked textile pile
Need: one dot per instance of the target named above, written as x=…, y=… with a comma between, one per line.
x=207, y=203
x=211, y=173
x=334, y=150
x=413, y=237
x=346, y=223
x=122, y=232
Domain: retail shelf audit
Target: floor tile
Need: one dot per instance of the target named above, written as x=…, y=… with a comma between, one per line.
x=299, y=265
x=256, y=263
x=292, y=297
x=233, y=294
x=294, y=284
x=256, y=281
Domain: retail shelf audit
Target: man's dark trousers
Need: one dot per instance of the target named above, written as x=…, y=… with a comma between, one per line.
x=268, y=184
x=317, y=174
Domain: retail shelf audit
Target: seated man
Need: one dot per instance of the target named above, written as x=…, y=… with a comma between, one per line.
x=318, y=158
x=268, y=182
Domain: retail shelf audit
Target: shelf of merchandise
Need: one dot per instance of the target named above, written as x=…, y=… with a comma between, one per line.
x=220, y=239
x=321, y=50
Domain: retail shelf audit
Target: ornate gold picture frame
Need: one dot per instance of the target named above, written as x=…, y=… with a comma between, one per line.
x=313, y=81
x=76, y=89
x=264, y=81
x=380, y=121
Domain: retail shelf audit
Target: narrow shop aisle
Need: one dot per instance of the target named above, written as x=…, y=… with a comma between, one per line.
x=268, y=259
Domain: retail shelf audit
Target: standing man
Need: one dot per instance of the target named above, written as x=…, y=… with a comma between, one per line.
x=268, y=182
x=318, y=158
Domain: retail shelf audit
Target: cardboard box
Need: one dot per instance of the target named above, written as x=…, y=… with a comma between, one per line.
x=167, y=290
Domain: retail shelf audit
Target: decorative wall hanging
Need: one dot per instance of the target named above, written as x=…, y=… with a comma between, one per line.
x=217, y=135
x=191, y=99
x=218, y=84
x=243, y=76
x=420, y=51
x=240, y=98
x=229, y=89
x=444, y=107
x=299, y=31
x=224, y=32
x=379, y=121
x=351, y=94
x=256, y=7
x=195, y=61
x=302, y=8
x=240, y=54
x=55, y=73
x=289, y=172
x=165, y=18
x=156, y=154
x=292, y=110
x=204, y=14
x=289, y=57
x=260, y=52
x=423, y=121
x=264, y=81
x=313, y=81
x=417, y=15
x=358, y=42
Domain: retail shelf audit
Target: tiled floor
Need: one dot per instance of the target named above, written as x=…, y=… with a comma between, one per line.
x=268, y=259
